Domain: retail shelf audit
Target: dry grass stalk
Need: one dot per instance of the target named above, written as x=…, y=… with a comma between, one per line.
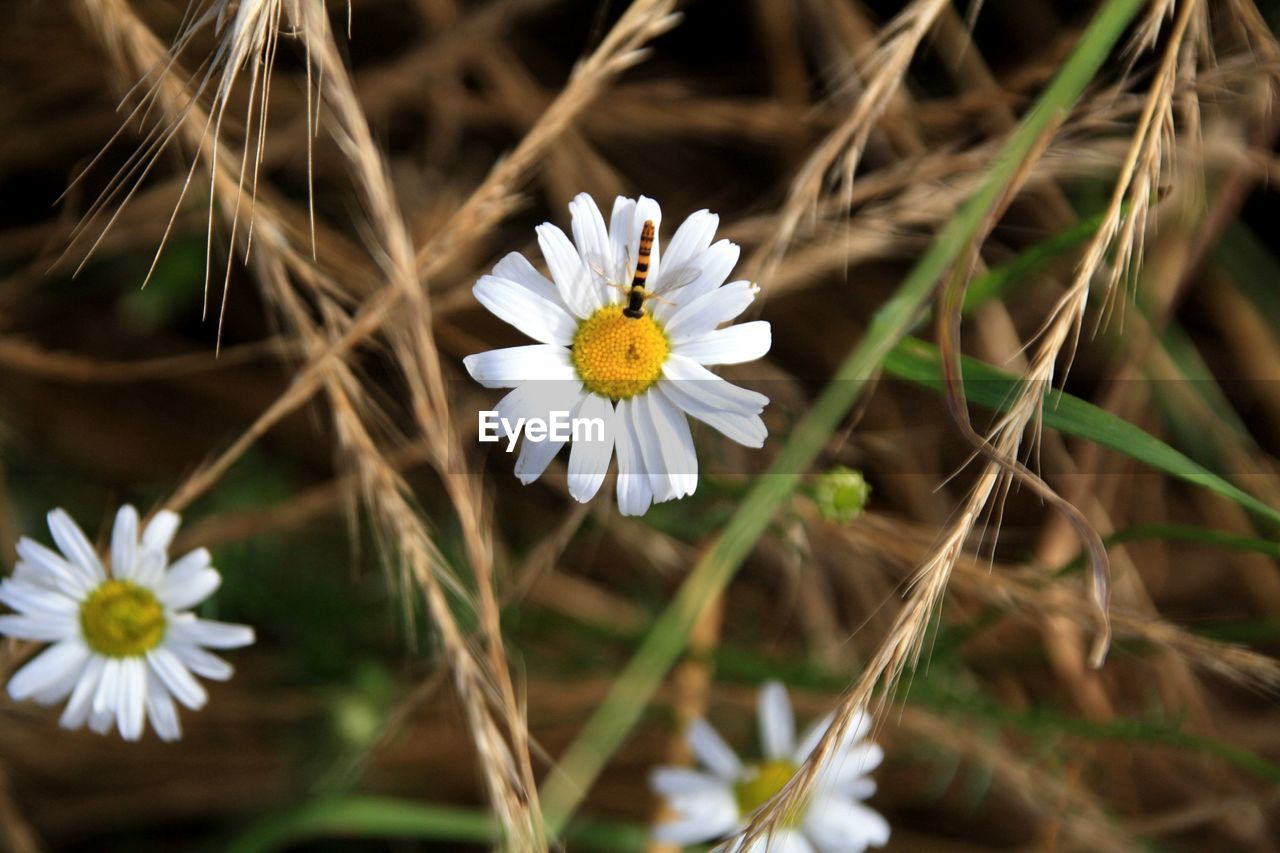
x=509, y=772
x=885, y=68
x=1124, y=225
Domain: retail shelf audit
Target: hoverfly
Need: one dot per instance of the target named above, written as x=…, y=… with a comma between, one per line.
x=635, y=292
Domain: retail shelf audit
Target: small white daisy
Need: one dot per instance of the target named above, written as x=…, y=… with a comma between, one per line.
x=714, y=804
x=639, y=375
x=124, y=644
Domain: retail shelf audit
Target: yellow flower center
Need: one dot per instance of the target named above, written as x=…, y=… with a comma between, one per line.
x=762, y=782
x=122, y=620
x=616, y=356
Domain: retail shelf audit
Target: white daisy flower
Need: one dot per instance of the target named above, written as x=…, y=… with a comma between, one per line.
x=715, y=803
x=637, y=375
x=124, y=644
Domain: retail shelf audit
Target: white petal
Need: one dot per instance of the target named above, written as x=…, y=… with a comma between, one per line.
x=573, y=280
x=187, y=572
x=592, y=240
x=649, y=447
x=160, y=531
x=624, y=212
x=74, y=544
x=210, y=634
x=132, y=702
x=149, y=569
x=34, y=599
x=100, y=721
x=690, y=240
x=675, y=781
x=861, y=788
x=691, y=320
x=190, y=563
x=124, y=542
x=58, y=689
x=81, y=701
x=646, y=210
x=666, y=444
x=715, y=815
x=538, y=399
x=186, y=591
x=40, y=627
x=177, y=678
x=534, y=458
x=746, y=429
x=777, y=722
x=34, y=576
x=714, y=266
x=516, y=267
x=589, y=456
x=189, y=581
x=202, y=663
x=839, y=825
x=507, y=368
x=161, y=710
x=712, y=751
x=696, y=381
x=106, y=699
x=734, y=345
x=73, y=579
x=50, y=668
x=634, y=492
x=539, y=318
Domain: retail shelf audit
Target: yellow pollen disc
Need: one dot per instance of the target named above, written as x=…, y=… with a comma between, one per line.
x=616, y=356
x=763, y=781
x=122, y=620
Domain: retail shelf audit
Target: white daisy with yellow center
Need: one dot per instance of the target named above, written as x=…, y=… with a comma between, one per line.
x=639, y=377
x=124, y=644
x=715, y=803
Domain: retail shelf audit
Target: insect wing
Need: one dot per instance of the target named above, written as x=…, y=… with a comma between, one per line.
x=682, y=278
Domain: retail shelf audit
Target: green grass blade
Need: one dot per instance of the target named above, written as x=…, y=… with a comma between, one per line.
x=917, y=361
x=386, y=817
x=568, y=782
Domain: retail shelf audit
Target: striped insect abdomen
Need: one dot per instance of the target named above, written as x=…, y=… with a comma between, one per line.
x=635, y=297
